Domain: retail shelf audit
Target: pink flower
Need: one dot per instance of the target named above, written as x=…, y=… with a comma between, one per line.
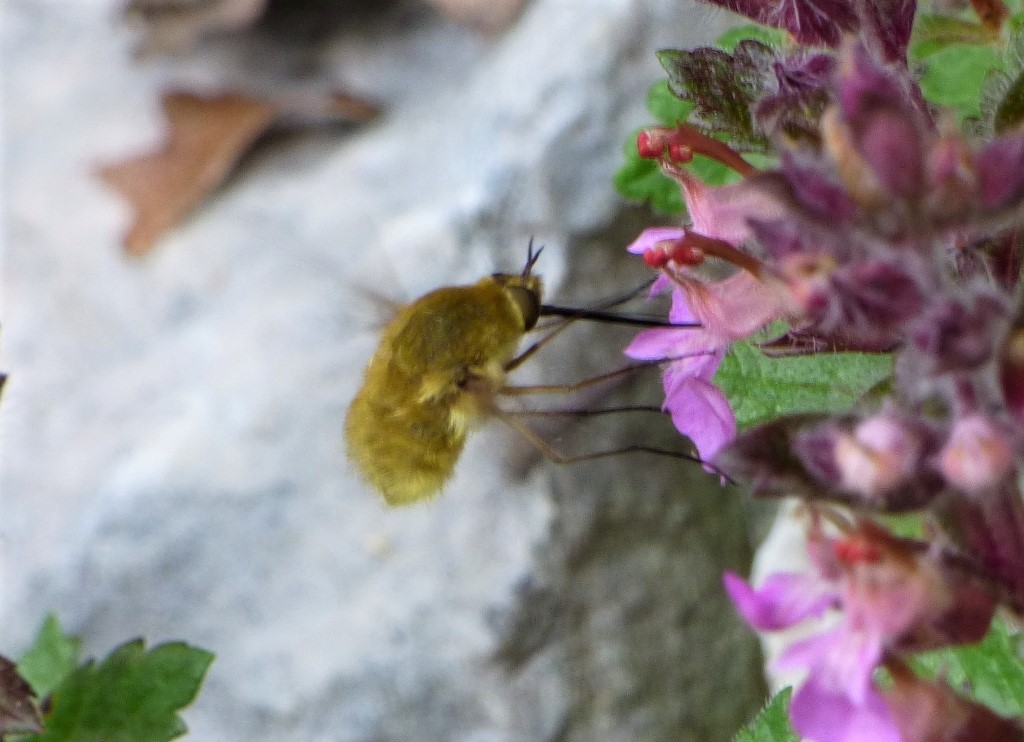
x=698, y=408
x=892, y=597
x=728, y=309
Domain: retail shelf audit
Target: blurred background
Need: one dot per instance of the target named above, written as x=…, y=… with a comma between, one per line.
x=210, y=207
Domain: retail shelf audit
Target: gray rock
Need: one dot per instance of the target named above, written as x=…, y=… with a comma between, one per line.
x=172, y=464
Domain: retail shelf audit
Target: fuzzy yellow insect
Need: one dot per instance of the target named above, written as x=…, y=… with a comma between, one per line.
x=435, y=374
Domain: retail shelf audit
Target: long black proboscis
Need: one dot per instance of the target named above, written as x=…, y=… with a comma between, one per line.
x=597, y=315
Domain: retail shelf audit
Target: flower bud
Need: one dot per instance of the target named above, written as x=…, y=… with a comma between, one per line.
x=881, y=454
x=976, y=456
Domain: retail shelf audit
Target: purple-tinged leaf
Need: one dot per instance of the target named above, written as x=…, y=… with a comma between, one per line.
x=885, y=27
x=816, y=193
x=18, y=711
x=803, y=90
x=886, y=127
x=990, y=531
x=723, y=87
x=764, y=457
x=957, y=335
x=934, y=711
x=864, y=303
x=811, y=22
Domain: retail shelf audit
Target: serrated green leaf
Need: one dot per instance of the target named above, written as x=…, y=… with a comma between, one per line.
x=132, y=696
x=723, y=87
x=772, y=724
x=50, y=659
x=991, y=672
x=773, y=37
x=760, y=388
x=933, y=33
x=953, y=77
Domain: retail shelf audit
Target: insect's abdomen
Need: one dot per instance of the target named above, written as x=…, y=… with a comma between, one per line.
x=406, y=454
x=408, y=423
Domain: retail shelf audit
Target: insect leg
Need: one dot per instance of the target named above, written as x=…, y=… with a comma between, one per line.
x=525, y=355
x=586, y=413
x=553, y=454
x=576, y=386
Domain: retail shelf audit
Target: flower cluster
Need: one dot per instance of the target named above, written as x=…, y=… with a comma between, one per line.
x=881, y=228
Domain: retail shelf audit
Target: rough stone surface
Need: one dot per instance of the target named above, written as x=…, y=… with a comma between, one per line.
x=171, y=459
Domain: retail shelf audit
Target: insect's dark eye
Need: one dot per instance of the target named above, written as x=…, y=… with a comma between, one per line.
x=528, y=302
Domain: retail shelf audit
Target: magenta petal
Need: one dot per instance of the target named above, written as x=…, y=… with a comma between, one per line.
x=843, y=659
x=680, y=313
x=782, y=600
x=735, y=307
x=652, y=236
x=823, y=714
x=664, y=342
x=725, y=212
x=701, y=412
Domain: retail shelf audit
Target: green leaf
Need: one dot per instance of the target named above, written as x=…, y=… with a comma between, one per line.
x=723, y=87
x=776, y=38
x=665, y=106
x=760, y=388
x=953, y=77
x=933, y=33
x=991, y=671
x=772, y=724
x=50, y=659
x=132, y=696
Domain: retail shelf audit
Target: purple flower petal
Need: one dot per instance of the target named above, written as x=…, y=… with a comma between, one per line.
x=811, y=22
x=821, y=713
x=699, y=411
x=782, y=600
x=1001, y=172
x=844, y=659
x=652, y=236
x=666, y=342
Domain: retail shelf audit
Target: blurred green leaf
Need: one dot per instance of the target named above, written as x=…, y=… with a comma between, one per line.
x=761, y=389
x=954, y=75
x=132, y=696
x=772, y=724
x=991, y=672
x=665, y=106
x=933, y=33
x=50, y=659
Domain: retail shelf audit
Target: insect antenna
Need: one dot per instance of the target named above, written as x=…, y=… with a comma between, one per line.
x=531, y=258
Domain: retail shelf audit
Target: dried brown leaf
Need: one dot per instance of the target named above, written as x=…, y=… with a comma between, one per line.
x=206, y=138
x=487, y=15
